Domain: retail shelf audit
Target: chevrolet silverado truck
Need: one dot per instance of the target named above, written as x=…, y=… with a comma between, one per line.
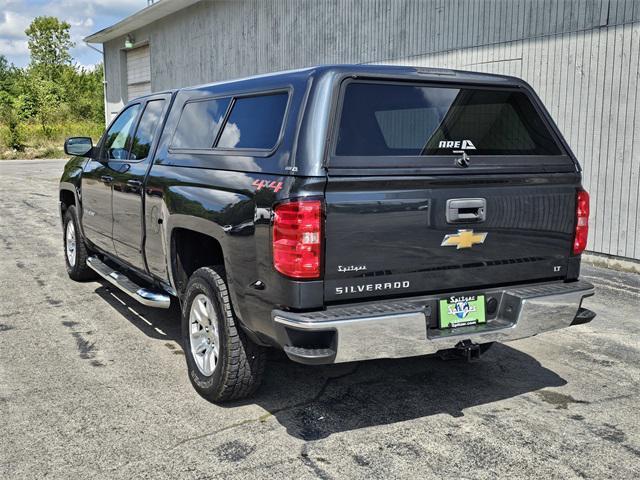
x=339, y=213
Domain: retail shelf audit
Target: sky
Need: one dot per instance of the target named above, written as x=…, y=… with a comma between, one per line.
x=84, y=16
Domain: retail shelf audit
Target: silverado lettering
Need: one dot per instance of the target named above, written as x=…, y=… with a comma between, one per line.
x=371, y=287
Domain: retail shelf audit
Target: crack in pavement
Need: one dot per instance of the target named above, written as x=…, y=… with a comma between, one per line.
x=312, y=464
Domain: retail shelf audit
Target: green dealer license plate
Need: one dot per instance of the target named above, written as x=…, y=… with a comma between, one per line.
x=461, y=311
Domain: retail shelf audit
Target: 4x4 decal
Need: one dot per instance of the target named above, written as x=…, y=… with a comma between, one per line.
x=260, y=184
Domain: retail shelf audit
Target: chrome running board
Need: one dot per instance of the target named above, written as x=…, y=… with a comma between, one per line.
x=145, y=296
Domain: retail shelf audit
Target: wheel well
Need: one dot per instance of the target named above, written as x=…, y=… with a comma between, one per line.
x=67, y=199
x=192, y=250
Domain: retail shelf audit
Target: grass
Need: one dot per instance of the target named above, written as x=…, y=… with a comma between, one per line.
x=38, y=144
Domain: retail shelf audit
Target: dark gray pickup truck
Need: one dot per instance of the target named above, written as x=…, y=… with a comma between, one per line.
x=340, y=213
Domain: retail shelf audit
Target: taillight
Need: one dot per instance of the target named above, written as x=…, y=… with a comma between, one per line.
x=297, y=238
x=582, y=222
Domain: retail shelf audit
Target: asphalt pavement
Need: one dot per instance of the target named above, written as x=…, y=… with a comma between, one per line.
x=94, y=385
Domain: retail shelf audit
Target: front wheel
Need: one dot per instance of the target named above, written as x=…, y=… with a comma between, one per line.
x=75, y=250
x=223, y=363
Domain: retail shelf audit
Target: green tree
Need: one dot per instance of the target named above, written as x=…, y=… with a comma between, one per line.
x=49, y=44
x=41, y=99
x=8, y=116
x=4, y=70
x=14, y=135
x=51, y=98
x=8, y=76
x=83, y=93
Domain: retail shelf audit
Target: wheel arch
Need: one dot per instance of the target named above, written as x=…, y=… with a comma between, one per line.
x=67, y=197
x=189, y=249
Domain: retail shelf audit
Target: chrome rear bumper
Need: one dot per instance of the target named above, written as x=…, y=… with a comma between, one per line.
x=405, y=328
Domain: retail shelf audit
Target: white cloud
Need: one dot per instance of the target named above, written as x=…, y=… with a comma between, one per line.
x=85, y=17
x=81, y=22
x=13, y=24
x=9, y=46
x=230, y=136
x=90, y=67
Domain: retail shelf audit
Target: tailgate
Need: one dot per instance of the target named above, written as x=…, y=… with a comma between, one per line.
x=385, y=236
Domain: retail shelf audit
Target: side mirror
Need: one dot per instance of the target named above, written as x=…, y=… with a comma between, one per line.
x=78, y=146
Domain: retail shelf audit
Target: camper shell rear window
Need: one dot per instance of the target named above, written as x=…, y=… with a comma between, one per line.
x=423, y=121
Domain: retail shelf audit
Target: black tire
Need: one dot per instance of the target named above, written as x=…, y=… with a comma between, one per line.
x=240, y=363
x=79, y=271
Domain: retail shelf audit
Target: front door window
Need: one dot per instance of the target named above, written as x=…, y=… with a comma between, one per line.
x=117, y=140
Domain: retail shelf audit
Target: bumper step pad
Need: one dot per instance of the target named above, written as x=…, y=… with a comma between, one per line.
x=310, y=356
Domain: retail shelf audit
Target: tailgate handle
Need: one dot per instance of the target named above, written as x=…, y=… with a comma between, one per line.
x=466, y=210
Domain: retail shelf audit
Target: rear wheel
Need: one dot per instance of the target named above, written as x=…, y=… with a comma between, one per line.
x=75, y=250
x=223, y=363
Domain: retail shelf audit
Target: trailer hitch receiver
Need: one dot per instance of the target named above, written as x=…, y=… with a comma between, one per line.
x=468, y=350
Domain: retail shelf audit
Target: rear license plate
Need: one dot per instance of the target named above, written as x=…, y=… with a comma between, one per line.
x=461, y=311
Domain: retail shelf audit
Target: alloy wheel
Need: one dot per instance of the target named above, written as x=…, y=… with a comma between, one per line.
x=203, y=334
x=70, y=244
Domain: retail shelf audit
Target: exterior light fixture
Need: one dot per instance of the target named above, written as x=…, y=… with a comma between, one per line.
x=128, y=43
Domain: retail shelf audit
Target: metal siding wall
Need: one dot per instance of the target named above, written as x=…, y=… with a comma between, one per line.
x=115, y=77
x=216, y=40
x=581, y=56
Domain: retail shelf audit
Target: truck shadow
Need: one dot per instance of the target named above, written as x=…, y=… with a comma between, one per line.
x=314, y=402
x=153, y=322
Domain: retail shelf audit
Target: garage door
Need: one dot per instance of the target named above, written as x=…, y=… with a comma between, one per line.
x=138, y=72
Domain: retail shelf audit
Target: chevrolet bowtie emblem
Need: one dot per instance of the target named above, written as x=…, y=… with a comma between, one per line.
x=463, y=239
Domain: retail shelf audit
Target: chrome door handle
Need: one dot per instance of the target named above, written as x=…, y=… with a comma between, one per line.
x=106, y=178
x=134, y=183
x=466, y=210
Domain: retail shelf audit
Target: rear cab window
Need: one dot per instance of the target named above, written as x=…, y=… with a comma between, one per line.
x=200, y=123
x=387, y=124
x=252, y=122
